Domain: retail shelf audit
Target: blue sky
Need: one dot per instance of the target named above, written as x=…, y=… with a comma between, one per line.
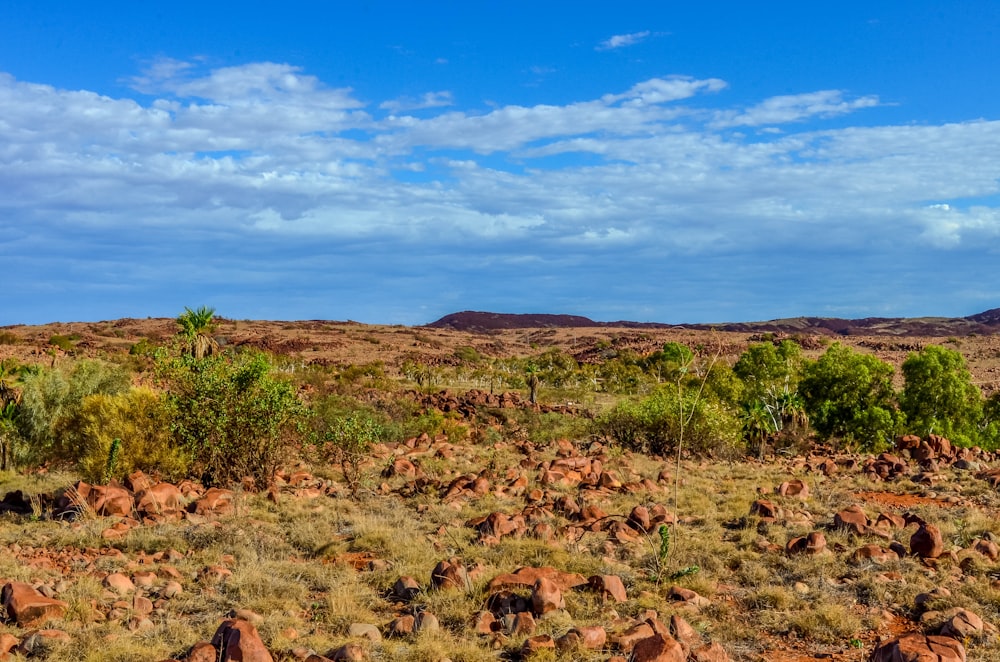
x=392, y=162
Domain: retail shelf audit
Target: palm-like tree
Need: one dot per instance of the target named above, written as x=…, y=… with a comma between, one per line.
x=196, y=329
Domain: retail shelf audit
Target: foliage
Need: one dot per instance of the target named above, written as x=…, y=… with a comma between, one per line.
x=9, y=435
x=52, y=397
x=849, y=395
x=656, y=423
x=989, y=425
x=670, y=363
x=346, y=439
x=770, y=401
x=196, y=330
x=231, y=414
x=939, y=396
x=65, y=343
x=137, y=420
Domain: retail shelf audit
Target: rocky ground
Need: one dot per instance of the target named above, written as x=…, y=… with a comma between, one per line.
x=516, y=551
x=506, y=547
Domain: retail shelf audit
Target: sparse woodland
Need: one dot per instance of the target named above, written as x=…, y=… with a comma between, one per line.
x=206, y=491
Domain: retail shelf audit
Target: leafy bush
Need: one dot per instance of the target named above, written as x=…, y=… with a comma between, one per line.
x=8, y=338
x=140, y=423
x=849, y=395
x=50, y=398
x=672, y=416
x=231, y=415
x=939, y=396
x=770, y=401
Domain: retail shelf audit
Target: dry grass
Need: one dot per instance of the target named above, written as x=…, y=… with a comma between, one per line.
x=284, y=562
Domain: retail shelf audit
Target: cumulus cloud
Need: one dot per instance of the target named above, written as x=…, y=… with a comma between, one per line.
x=622, y=40
x=265, y=155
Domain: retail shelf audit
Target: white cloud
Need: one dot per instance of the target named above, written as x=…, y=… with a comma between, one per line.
x=266, y=150
x=622, y=40
x=428, y=100
x=793, y=108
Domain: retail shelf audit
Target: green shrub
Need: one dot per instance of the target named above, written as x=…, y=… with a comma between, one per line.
x=50, y=398
x=65, y=343
x=671, y=416
x=939, y=396
x=232, y=415
x=139, y=420
x=8, y=338
x=849, y=395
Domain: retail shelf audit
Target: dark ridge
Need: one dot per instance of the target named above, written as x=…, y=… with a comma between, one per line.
x=480, y=322
x=985, y=323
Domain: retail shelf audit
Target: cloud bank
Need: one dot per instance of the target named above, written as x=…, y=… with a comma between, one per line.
x=263, y=189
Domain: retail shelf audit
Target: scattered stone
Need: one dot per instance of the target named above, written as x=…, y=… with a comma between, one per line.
x=546, y=596
x=927, y=542
x=919, y=648
x=365, y=630
x=27, y=607
x=238, y=640
x=609, y=586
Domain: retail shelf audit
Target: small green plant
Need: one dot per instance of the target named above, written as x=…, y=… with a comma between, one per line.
x=113, y=452
x=348, y=441
x=8, y=338
x=664, y=551
x=685, y=572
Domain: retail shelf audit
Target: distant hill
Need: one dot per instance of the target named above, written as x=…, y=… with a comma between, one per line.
x=987, y=322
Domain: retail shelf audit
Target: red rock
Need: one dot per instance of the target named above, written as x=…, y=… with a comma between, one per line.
x=539, y=642
x=484, y=623
x=875, y=554
x=28, y=607
x=527, y=576
x=987, y=548
x=402, y=626
x=522, y=623
x=216, y=501
x=160, y=499
x=449, y=574
x=962, y=624
x=765, y=510
x=919, y=648
x=927, y=542
x=110, y=500
x=628, y=639
x=713, y=653
x=238, y=641
x=546, y=596
x=405, y=589
x=609, y=585
x=794, y=488
x=346, y=653
x=7, y=642
x=684, y=633
x=853, y=519
x=658, y=648
x=137, y=481
x=638, y=519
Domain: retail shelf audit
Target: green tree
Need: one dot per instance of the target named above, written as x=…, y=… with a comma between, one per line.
x=770, y=400
x=849, y=395
x=670, y=363
x=939, y=396
x=196, y=330
x=232, y=415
